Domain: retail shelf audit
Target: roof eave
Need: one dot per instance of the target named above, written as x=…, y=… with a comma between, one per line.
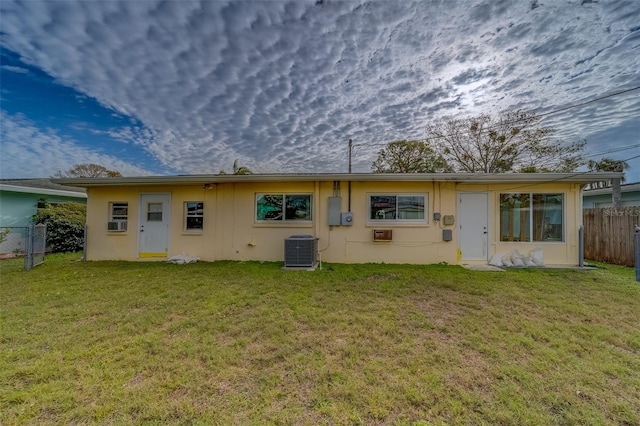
x=42, y=191
x=480, y=178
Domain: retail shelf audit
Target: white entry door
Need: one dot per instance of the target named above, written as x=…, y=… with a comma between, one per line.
x=153, y=232
x=473, y=231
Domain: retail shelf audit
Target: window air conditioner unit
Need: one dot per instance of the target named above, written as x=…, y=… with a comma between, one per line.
x=117, y=226
x=300, y=251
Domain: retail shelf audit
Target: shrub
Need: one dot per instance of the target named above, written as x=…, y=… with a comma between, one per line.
x=3, y=234
x=65, y=226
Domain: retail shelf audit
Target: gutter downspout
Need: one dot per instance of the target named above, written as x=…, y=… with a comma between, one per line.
x=349, y=187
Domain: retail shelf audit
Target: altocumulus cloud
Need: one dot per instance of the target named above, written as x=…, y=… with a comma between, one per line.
x=23, y=144
x=282, y=86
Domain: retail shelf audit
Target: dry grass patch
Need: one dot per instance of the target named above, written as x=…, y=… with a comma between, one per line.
x=238, y=343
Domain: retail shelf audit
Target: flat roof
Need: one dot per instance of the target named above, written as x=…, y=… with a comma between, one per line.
x=481, y=178
x=625, y=187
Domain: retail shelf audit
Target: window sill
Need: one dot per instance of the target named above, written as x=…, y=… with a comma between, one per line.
x=192, y=232
x=382, y=224
x=532, y=242
x=283, y=225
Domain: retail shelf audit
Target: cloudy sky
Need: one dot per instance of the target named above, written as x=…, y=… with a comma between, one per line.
x=187, y=87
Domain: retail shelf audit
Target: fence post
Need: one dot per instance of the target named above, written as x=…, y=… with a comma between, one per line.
x=28, y=259
x=637, y=244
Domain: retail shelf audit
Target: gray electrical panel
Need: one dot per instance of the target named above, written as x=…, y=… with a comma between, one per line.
x=447, y=235
x=335, y=217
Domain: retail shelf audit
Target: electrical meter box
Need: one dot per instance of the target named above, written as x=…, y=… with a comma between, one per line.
x=346, y=219
x=448, y=219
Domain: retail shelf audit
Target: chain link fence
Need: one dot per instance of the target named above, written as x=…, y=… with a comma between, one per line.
x=27, y=241
x=14, y=241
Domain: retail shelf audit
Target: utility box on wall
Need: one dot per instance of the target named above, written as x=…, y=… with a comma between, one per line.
x=447, y=235
x=334, y=211
x=448, y=220
x=346, y=218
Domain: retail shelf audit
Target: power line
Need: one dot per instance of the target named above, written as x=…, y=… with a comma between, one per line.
x=568, y=177
x=535, y=116
x=587, y=102
x=611, y=151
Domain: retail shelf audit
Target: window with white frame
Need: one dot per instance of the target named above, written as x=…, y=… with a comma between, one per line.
x=531, y=217
x=193, y=215
x=118, y=216
x=397, y=208
x=283, y=207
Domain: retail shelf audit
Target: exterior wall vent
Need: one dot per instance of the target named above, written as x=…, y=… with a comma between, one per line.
x=300, y=251
x=382, y=235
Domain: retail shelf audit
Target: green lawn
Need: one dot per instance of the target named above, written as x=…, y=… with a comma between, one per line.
x=248, y=343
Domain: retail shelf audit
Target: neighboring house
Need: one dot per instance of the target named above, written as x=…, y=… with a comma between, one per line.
x=602, y=197
x=19, y=200
x=458, y=218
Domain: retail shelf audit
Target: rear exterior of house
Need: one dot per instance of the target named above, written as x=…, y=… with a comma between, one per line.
x=349, y=218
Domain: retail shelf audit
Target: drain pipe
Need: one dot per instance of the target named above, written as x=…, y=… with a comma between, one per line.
x=349, y=187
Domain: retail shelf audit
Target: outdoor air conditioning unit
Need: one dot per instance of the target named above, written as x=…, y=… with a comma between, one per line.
x=300, y=251
x=117, y=226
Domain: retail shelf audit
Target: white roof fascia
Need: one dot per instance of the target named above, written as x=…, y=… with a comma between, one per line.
x=480, y=178
x=43, y=191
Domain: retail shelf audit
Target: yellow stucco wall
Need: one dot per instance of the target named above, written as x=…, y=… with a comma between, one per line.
x=231, y=232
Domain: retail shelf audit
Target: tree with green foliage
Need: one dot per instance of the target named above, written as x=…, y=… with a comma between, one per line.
x=87, y=171
x=607, y=165
x=65, y=225
x=610, y=165
x=4, y=234
x=512, y=142
x=238, y=170
x=409, y=157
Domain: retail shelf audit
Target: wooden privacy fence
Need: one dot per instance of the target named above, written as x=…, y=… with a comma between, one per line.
x=609, y=235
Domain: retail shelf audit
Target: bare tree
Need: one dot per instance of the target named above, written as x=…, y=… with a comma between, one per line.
x=409, y=157
x=512, y=142
x=87, y=171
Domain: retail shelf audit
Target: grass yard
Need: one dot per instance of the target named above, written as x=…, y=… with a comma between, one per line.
x=248, y=343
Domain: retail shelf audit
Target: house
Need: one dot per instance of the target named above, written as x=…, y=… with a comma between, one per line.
x=602, y=197
x=343, y=218
x=19, y=200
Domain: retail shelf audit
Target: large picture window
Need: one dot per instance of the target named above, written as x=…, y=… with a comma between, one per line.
x=398, y=207
x=531, y=217
x=283, y=207
x=193, y=215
